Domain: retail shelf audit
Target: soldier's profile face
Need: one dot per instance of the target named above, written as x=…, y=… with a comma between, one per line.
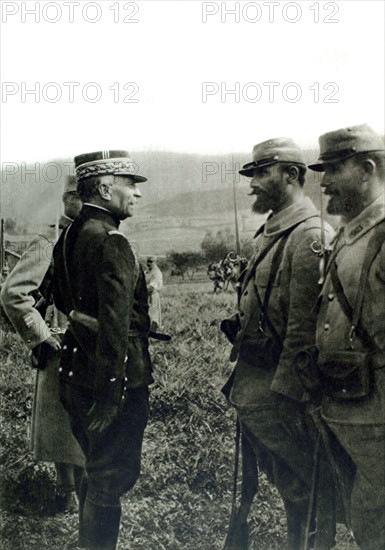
x=342, y=183
x=268, y=186
x=72, y=205
x=124, y=195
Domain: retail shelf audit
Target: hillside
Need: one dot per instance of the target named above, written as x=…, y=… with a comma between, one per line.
x=186, y=194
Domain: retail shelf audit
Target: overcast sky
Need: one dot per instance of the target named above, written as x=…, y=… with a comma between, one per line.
x=178, y=61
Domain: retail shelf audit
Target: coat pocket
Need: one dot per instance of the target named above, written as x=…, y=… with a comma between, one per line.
x=346, y=375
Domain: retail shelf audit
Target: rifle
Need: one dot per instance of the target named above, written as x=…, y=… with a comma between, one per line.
x=237, y=537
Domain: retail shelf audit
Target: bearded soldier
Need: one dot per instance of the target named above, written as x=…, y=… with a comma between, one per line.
x=105, y=369
x=277, y=319
x=351, y=328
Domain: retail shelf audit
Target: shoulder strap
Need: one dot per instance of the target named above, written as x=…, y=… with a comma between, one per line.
x=250, y=274
x=353, y=314
x=277, y=258
x=71, y=297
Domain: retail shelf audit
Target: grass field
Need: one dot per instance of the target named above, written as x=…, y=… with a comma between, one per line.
x=183, y=499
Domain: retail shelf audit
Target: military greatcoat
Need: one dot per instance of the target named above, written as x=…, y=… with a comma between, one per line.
x=51, y=436
x=268, y=394
x=359, y=425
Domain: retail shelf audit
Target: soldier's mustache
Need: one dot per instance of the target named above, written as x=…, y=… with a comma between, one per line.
x=256, y=192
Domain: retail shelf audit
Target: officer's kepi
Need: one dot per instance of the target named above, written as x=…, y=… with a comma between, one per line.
x=70, y=185
x=345, y=143
x=273, y=151
x=106, y=163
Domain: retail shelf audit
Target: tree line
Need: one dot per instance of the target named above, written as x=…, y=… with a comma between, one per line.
x=214, y=247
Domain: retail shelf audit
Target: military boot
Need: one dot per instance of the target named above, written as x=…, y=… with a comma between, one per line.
x=101, y=525
x=82, y=497
x=296, y=516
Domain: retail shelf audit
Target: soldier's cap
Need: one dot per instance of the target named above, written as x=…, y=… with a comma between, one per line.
x=342, y=144
x=70, y=185
x=106, y=163
x=272, y=151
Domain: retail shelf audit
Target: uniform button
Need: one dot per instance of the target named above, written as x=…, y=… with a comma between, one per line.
x=70, y=373
x=60, y=369
x=331, y=297
x=246, y=293
x=343, y=390
x=242, y=314
x=64, y=347
x=122, y=396
x=112, y=379
x=75, y=350
x=29, y=340
x=125, y=378
x=125, y=359
x=326, y=326
x=125, y=388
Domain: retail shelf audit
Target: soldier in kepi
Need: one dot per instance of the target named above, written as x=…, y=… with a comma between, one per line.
x=27, y=299
x=351, y=328
x=276, y=319
x=105, y=369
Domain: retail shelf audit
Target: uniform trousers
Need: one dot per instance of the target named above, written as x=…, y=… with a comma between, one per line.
x=113, y=456
x=277, y=426
x=363, y=446
x=278, y=434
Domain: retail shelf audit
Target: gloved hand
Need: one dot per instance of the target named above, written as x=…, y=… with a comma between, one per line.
x=53, y=342
x=101, y=415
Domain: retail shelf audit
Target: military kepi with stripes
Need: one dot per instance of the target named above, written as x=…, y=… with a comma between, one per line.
x=106, y=163
x=342, y=144
x=273, y=151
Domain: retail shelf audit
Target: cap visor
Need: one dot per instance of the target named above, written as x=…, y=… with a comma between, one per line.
x=248, y=173
x=318, y=167
x=139, y=179
x=135, y=177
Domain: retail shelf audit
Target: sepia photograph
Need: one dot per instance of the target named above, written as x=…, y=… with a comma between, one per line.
x=192, y=275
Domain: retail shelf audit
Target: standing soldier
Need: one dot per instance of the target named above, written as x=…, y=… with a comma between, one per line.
x=105, y=369
x=26, y=297
x=351, y=329
x=276, y=321
x=154, y=280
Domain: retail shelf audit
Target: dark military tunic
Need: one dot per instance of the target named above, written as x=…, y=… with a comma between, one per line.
x=112, y=364
x=106, y=283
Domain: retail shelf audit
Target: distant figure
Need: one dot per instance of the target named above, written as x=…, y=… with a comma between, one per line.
x=6, y=270
x=154, y=280
x=216, y=274
x=26, y=298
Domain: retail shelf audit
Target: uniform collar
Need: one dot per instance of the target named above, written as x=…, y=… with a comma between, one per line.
x=64, y=221
x=301, y=210
x=94, y=211
x=368, y=218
